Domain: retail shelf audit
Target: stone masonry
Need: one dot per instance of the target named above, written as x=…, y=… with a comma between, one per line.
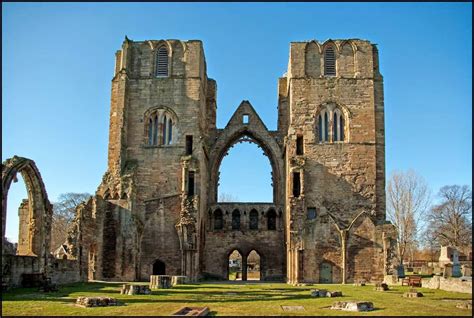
x=156, y=210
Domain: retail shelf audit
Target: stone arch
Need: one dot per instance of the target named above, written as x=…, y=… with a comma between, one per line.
x=169, y=48
x=330, y=107
x=313, y=59
x=346, y=61
x=155, y=116
x=254, y=131
x=40, y=209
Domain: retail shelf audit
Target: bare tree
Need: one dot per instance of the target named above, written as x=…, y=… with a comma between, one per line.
x=451, y=220
x=227, y=197
x=63, y=214
x=408, y=200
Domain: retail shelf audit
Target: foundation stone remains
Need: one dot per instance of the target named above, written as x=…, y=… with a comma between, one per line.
x=96, y=301
x=353, y=305
x=135, y=290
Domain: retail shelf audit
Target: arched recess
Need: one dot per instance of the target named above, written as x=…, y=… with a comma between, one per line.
x=346, y=62
x=312, y=60
x=40, y=209
x=254, y=131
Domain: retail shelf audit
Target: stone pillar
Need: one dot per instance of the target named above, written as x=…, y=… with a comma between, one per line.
x=244, y=268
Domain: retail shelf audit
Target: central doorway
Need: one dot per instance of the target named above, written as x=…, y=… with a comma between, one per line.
x=159, y=268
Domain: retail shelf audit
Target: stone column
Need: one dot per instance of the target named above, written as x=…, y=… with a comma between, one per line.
x=244, y=268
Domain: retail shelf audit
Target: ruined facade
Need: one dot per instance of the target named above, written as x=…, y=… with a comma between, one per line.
x=156, y=209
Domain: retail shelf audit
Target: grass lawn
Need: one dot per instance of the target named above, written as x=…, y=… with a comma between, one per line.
x=230, y=299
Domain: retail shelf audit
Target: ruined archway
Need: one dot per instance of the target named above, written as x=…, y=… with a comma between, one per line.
x=39, y=209
x=254, y=266
x=235, y=263
x=246, y=125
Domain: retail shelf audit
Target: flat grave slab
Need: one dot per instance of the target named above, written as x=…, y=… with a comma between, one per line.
x=292, y=308
x=192, y=311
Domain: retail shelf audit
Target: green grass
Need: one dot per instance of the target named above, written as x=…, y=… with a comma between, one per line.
x=230, y=299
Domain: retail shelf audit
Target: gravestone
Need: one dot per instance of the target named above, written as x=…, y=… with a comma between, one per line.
x=381, y=287
x=353, y=305
x=412, y=293
x=192, y=311
x=466, y=270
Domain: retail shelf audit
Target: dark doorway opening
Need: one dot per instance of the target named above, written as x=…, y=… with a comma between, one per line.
x=159, y=268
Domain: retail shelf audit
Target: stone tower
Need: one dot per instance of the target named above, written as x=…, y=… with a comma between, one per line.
x=331, y=113
x=162, y=109
x=157, y=209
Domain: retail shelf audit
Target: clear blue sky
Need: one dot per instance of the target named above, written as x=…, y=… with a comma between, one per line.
x=58, y=60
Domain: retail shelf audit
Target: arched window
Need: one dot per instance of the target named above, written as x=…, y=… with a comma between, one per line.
x=160, y=127
x=170, y=131
x=330, y=61
x=155, y=130
x=150, y=131
x=253, y=220
x=163, y=139
x=162, y=62
x=323, y=126
x=218, y=220
x=338, y=126
x=236, y=220
x=271, y=220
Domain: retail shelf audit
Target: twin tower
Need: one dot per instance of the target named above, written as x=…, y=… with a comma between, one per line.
x=156, y=210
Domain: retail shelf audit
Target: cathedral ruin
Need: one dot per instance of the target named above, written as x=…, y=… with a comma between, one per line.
x=156, y=210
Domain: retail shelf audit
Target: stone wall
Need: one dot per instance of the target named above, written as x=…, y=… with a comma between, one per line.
x=448, y=284
x=156, y=202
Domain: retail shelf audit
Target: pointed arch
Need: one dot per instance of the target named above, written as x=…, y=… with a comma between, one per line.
x=329, y=59
x=312, y=59
x=346, y=60
x=162, y=58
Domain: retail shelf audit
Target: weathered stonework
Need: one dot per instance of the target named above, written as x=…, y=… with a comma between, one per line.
x=156, y=210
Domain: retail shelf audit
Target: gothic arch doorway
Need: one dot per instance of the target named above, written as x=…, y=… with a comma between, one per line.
x=254, y=266
x=159, y=268
x=246, y=126
x=235, y=269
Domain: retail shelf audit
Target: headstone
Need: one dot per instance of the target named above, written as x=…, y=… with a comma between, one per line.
x=381, y=287
x=360, y=282
x=160, y=281
x=466, y=270
x=334, y=294
x=353, y=305
x=426, y=270
x=192, y=311
x=400, y=271
x=96, y=301
x=412, y=293
x=448, y=270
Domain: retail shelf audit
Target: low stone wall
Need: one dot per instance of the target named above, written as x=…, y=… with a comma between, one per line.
x=14, y=266
x=64, y=271
x=448, y=284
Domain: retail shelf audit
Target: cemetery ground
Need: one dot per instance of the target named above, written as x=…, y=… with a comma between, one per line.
x=231, y=298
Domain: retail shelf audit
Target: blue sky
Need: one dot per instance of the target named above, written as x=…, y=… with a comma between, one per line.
x=58, y=60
